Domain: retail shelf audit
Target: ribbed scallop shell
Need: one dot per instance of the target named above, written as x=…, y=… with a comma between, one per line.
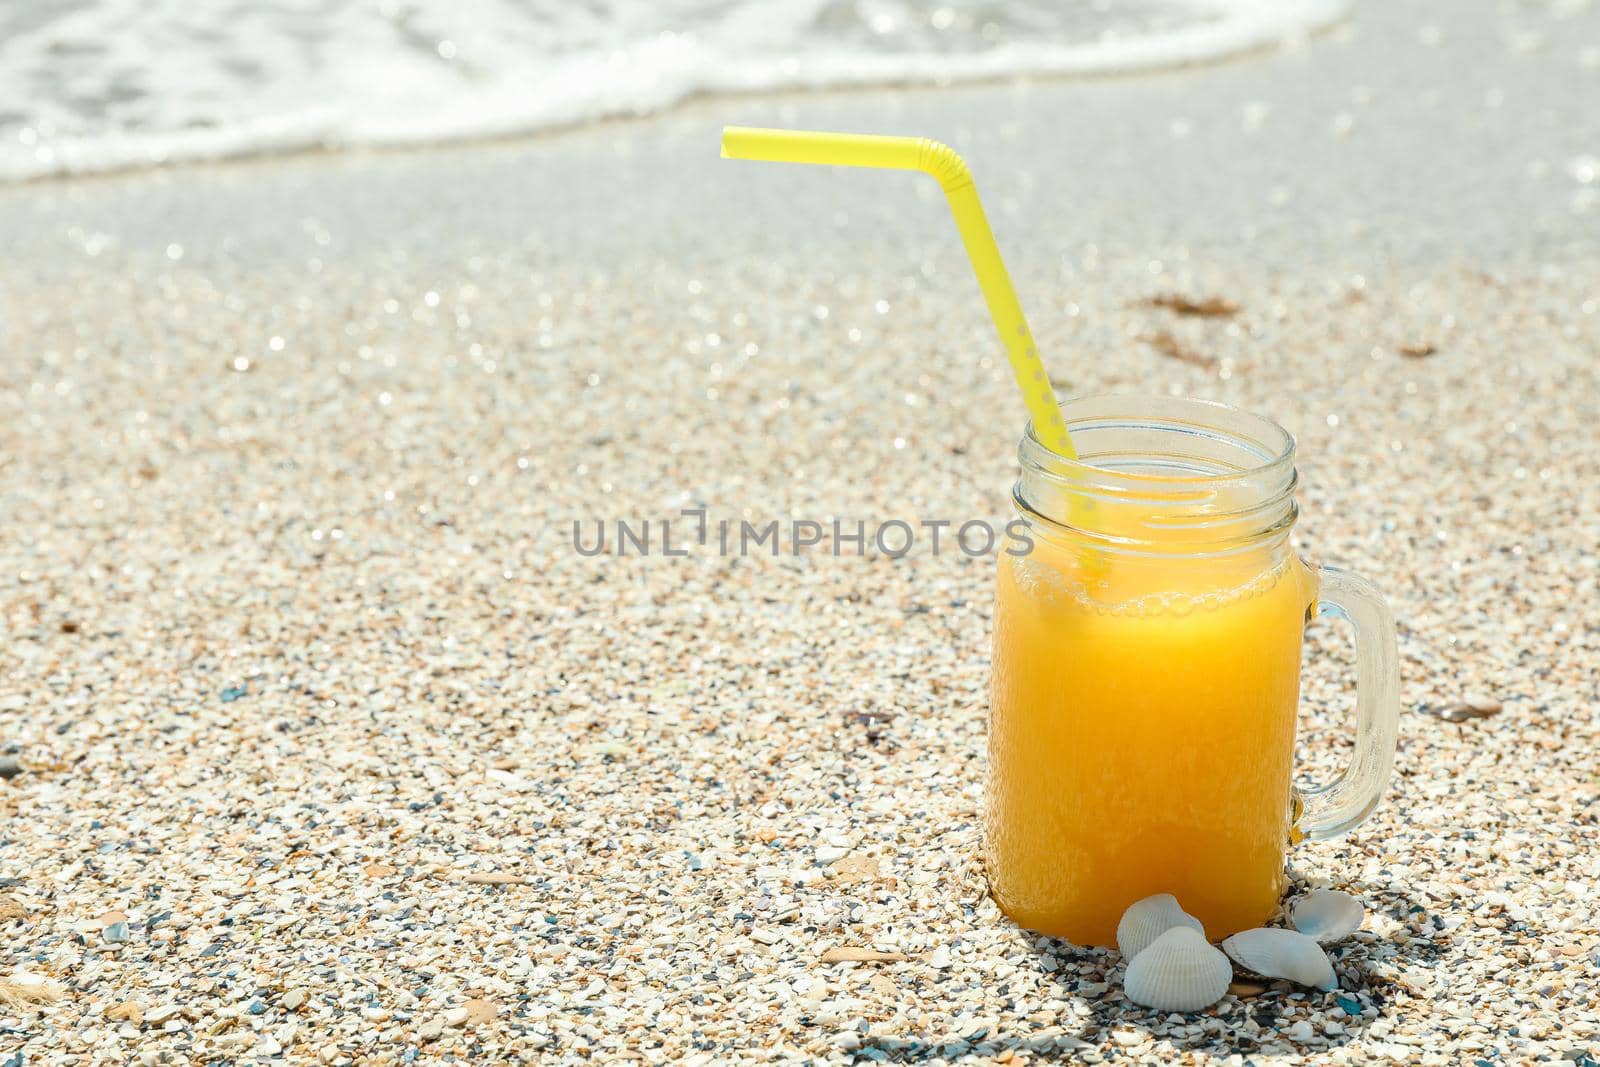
x=1148, y=919
x=1178, y=971
x=1275, y=953
x=1328, y=915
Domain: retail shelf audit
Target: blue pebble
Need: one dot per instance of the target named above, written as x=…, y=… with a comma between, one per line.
x=1351, y=1005
x=234, y=692
x=257, y=1007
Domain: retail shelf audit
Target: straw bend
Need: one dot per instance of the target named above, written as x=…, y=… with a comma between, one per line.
x=944, y=163
x=850, y=150
x=948, y=168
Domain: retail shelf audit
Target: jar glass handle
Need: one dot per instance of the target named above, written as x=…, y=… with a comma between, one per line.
x=1329, y=810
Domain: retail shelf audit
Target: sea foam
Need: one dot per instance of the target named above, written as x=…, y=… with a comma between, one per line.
x=109, y=84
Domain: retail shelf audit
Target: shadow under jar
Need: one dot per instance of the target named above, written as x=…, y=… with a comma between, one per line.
x=1146, y=674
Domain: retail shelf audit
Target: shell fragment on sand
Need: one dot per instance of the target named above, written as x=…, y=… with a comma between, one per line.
x=1179, y=971
x=846, y=954
x=1327, y=915
x=1286, y=954
x=1147, y=919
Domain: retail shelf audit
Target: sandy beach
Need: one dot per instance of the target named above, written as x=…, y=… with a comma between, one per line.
x=324, y=744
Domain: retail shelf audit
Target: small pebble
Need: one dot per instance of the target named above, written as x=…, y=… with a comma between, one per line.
x=293, y=999
x=1300, y=1031
x=116, y=933
x=10, y=767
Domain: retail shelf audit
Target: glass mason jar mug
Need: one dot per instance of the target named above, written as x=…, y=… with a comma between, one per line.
x=1147, y=670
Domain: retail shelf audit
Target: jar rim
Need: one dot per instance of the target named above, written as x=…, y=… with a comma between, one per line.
x=1274, y=445
x=1201, y=470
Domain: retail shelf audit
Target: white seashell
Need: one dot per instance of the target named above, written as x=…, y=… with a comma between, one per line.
x=1328, y=915
x=1178, y=971
x=1282, y=954
x=1148, y=919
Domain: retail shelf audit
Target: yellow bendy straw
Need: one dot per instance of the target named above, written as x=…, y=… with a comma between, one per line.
x=941, y=161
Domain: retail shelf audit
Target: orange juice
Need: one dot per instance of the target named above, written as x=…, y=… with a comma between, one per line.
x=1141, y=734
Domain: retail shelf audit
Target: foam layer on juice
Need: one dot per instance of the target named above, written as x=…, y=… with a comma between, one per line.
x=1048, y=582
